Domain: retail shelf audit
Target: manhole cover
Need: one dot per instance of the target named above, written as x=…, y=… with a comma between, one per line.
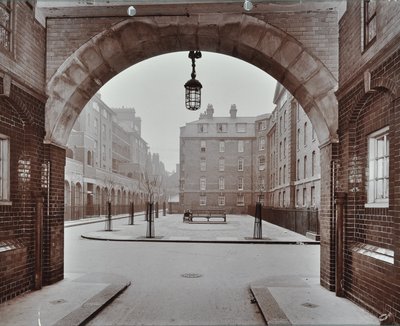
x=191, y=275
x=309, y=305
x=58, y=301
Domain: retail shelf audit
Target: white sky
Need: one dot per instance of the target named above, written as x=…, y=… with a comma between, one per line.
x=154, y=87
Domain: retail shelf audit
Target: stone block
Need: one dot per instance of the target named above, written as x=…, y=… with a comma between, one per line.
x=287, y=52
x=304, y=67
x=321, y=83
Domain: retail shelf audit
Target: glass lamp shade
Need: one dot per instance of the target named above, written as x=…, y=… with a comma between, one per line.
x=248, y=5
x=193, y=94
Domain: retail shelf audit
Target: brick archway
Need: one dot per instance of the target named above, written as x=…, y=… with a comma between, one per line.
x=241, y=36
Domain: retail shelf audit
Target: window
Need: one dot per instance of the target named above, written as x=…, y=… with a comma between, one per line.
x=95, y=107
x=240, y=183
x=305, y=167
x=240, y=200
x=4, y=168
x=261, y=163
x=280, y=150
x=203, y=200
x=221, y=183
x=240, y=164
x=5, y=25
x=284, y=120
x=378, y=168
x=298, y=139
x=298, y=170
x=280, y=175
x=221, y=164
x=313, y=134
x=240, y=146
x=280, y=126
x=261, y=143
x=222, y=146
x=202, y=145
x=203, y=164
x=313, y=163
x=103, y=130
x=283, y=199
x=304, y=196
x=369, y=22
x=222, y=127
x=221, y=200
x=203, y=183
x=284, y=174
x=298, y=196
x=262, y=125
x=305, y=134
x=202, y=128
x=313, y=196
x=241, y=127
x=284, y=148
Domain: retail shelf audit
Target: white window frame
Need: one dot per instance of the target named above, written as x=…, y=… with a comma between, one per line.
x=203, y=183
x=373, y=165
x=261, y=143
x=222, y=127
x=221, y=200
x=203, y=200
x=240, y=200
x=241, y=164
x=261, y=163
x=221, y=146
x=240, y=183
x=221, y=183
x=4, y=170
x=202, y=128
x=203, y=145
x=221, y=164
x=203, y=164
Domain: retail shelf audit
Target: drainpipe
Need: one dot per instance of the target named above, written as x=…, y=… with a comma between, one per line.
x=340, y=198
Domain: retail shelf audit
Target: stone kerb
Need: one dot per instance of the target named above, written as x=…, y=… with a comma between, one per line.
x=241, y=36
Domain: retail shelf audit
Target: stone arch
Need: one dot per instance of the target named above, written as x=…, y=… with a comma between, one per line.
x=241, y=36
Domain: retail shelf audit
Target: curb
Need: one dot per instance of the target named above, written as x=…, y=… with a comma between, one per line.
x=160, y=239
x=93, y=306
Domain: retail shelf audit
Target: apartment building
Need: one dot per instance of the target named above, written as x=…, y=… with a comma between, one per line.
x=293, y=167
x=107, y=159
x=217, y=162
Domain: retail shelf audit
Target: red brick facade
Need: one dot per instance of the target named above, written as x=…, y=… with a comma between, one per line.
x=22, y=121
x=369, y=101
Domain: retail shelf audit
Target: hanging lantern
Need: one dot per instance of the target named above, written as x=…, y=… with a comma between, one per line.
x=193, y=86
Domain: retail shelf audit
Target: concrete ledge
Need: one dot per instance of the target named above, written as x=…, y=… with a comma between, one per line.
x=93, y=306
x=269, y=308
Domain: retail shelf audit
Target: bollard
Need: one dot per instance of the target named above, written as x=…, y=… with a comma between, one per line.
x=150, y=221
x=164, y=209
x=156, y=209
x=257, y=222
x=132, y=216
x=108, y=220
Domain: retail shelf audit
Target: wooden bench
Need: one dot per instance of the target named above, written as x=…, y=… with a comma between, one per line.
x=204, y=213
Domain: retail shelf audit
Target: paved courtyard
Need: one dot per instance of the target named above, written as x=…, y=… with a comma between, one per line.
x=238, y=228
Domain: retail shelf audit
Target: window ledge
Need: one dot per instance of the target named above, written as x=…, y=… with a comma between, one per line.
x=376, y=205
x=5, y=203
x=382, y=254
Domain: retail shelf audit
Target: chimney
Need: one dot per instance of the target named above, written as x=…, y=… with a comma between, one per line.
x=209, y=111
x=233, y=111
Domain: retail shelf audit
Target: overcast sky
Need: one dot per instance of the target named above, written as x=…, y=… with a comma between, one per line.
x=154, y=87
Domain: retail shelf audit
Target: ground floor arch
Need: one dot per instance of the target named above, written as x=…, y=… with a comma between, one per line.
x=248, y=38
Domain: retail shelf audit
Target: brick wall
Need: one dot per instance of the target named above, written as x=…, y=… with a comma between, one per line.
x=26, y=60
x=371, y=281
x=22, y=120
